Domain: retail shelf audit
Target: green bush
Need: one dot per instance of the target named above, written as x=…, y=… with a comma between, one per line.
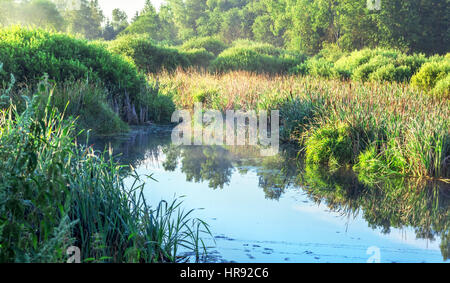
x=346, y=65
x=31, y=53
x=210, y=44
x=442, y=87
x=391, y=73
x=148, y=56
x=234, y=59
x=378, y=65
x=258, y=58
x=199, y=57
x=319, y=67
x=430, y=73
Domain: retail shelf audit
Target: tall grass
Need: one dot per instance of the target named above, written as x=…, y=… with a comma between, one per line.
x=55, y=194
x=407, y=131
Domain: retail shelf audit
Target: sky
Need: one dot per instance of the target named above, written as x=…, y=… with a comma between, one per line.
x=129, y=6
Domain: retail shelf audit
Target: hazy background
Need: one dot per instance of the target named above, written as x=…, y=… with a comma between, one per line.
x=129, y=6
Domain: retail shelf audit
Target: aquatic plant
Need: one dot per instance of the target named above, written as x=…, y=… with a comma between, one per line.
x=56, y=194
x=406, y=129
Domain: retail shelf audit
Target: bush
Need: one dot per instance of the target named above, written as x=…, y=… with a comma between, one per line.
x=346, y=65
x=319, y=67
x=148, y=56
x=379, y=65
x=442, y=87
x=255, y=57
x=243, y=59
x=391, y=73
x=430, y=74
x=199, y=57
x=31, y=53
x=210, y=44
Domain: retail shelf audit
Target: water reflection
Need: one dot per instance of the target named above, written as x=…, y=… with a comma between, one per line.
x=386, y=204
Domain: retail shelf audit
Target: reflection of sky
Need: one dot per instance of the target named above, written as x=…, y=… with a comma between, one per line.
x=252, y=228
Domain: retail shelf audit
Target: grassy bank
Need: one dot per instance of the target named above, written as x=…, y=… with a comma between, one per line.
x=106, y=91
x=378, y=128
x=55, y=194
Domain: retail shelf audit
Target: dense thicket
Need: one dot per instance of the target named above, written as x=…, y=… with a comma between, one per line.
x=31, y=54
x=303, y=25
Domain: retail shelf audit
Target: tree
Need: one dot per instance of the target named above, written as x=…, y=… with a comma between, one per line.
x=117, y=25
x=38, y=13
x=87, y=20
x=43, y=13
x=7, y=12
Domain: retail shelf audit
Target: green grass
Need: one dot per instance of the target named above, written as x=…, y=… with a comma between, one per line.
x=336, y=122
x=55, y=194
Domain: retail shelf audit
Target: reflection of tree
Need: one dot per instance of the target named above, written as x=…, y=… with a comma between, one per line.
x=392, y=203
x=276, y=174
x=141, y=144
x=201, y=163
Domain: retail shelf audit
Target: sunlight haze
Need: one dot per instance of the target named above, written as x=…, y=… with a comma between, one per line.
x=130, y=7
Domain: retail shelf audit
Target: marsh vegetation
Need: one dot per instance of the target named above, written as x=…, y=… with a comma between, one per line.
x=362, y=93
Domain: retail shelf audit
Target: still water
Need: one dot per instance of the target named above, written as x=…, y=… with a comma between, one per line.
x=275, y=209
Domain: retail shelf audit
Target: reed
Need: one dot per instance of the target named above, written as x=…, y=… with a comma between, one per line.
x=407, y=130
x=55, y=193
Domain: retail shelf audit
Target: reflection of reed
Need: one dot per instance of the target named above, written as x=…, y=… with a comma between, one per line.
x=390, y=203
x=385, y=204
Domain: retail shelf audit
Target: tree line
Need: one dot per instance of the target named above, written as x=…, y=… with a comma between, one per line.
x=303, y=25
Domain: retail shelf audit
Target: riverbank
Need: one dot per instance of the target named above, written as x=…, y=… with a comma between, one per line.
x=379, y=129
x=60, y=201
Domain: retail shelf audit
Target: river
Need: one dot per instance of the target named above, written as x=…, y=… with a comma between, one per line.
x=276, y=209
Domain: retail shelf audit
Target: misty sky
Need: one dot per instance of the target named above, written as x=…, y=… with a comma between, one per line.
x=129, y=6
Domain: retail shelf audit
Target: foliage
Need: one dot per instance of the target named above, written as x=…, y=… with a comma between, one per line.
x=256, y=57
x=430, y=73
x=148, y=56
x=337, y=122
x=329, y=144
x=199, y=57
x=29, y=54
x=210, y=44
x=55, y=194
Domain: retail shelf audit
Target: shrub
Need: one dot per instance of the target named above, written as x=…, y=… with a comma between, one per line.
x=391, y=73
x=259, y=47
x=319, y=67
x=148, y=56
x=199, y=57
x=31, y=53
x=346, y=65
x=256, y=58
x=442, y=87
x=238, y=58
x=331, y=52
x=210, y=44
x=430, y=74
